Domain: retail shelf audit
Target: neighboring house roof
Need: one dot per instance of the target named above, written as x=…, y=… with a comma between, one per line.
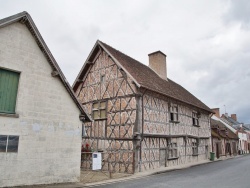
x=224, y=123
x=215, y=135
x=143, y=76
x=230, y=120
x=235, y=124
x=241, y=127
x=222, y=130
x=26, y=19
x=247, y=126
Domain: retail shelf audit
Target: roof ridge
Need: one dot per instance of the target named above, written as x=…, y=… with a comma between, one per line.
x=133, y=59
x=122, y=53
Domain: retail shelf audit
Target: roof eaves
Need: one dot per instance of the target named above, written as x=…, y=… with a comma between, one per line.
x=214, y=134
x=12, y=19
x=84, y=66
x=142, y=86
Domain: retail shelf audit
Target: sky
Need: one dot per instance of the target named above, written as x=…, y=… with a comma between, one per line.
x=207, y=42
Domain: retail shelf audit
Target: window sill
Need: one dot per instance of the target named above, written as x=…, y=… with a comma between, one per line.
x=174, y=121
x=173, y=158
x=196, y=125
x=9, y=115
x=101, y=119
x=195, y=154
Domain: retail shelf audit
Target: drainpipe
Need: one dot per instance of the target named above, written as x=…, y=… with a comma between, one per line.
x=211, y=140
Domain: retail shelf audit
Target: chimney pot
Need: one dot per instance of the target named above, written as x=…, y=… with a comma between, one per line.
x=158, y=63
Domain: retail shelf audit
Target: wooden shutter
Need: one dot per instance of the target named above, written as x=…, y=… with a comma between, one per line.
x=8, y=90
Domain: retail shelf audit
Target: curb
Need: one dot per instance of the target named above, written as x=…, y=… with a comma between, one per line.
x=133, y=177
x=136, y=176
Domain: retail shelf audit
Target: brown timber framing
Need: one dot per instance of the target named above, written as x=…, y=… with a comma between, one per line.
x=118, y=134
x=175, y=136
x=111, y=98
x=119, y=65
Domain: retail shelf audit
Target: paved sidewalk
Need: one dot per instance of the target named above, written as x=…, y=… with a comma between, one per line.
x=92, y=178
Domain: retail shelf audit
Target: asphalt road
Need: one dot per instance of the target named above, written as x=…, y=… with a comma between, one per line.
x=233, y=173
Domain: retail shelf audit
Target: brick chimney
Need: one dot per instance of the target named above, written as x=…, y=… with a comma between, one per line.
x=234, y=117
x=158, y=63
x=217, y=112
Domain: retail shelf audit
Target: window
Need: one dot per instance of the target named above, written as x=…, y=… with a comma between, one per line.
x=195, y=119
x=99, y=110
x=8, y=90
x=174, y=113
x=172, y=148
x=195, y=147
x=83, y=130
x=9, y=143
x=172, y=151
x=102, y=78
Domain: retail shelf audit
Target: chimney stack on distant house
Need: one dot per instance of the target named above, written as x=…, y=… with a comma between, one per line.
x=158, y=63
x=217, y=112
x=234, y=117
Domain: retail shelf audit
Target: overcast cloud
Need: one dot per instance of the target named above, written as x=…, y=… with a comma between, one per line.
x=207, y=42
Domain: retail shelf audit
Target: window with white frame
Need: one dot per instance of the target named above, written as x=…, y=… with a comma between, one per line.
x=9, y=143
x=174, y=113
x=99, y=110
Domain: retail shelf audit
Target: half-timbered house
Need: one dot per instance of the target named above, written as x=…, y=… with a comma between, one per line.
x=142, y=119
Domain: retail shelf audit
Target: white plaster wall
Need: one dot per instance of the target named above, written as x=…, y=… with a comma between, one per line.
x=48, y=125
x=242, y=136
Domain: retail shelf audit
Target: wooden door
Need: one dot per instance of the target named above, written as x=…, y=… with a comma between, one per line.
x=217, y=151
x=163, y=157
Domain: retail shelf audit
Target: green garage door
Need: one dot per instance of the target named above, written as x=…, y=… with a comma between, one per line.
x=8, y=90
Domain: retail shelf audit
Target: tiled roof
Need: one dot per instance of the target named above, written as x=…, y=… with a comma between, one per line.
x=214, y=134
x=148, y=79
x=229, y=120
x=223, y=130
x=247, y=126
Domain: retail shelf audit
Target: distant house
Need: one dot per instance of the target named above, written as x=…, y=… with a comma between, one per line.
x=240, y=130
x=142, y=119
x=40, y=117
x=224, y=141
